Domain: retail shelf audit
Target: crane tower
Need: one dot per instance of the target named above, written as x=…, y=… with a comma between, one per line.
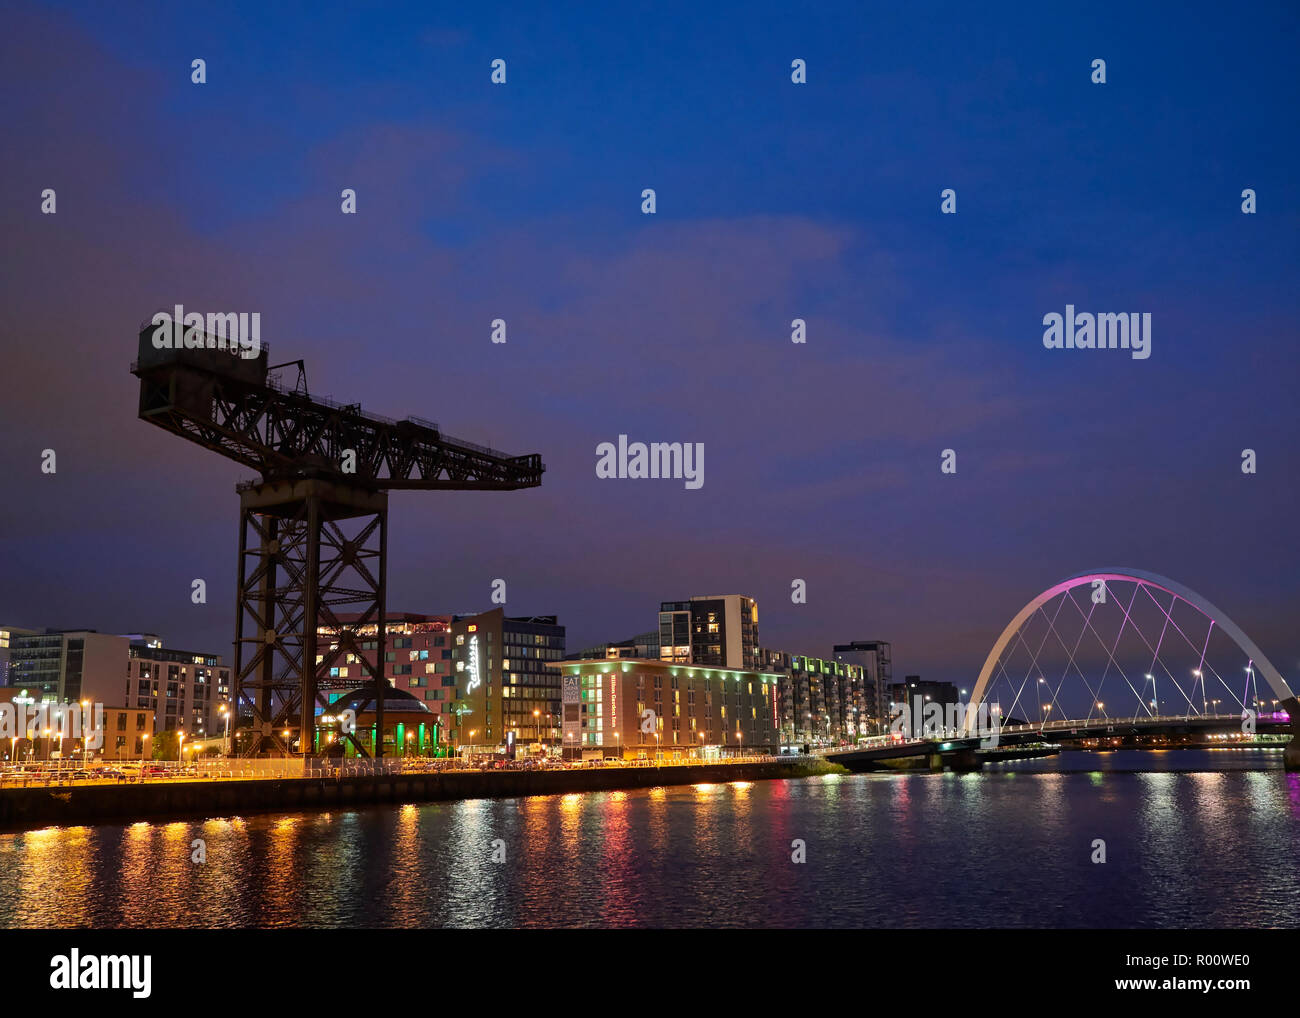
x=313, y=528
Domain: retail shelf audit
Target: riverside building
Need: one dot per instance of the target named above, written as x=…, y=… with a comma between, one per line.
x=417, y=660
x=875, y=657
x=819, y=701
x=183, y=690
x=506, y=673
x=643, y=645
x=488, y=681
x=717, y=631
x=646, y=709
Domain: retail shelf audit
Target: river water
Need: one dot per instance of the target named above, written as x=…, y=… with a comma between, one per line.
x=1195, y=838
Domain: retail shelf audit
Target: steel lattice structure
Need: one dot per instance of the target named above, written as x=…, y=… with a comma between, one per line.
x=313, y=536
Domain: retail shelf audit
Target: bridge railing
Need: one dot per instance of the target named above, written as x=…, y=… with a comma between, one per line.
x=1066, y=725
x=1095, y=722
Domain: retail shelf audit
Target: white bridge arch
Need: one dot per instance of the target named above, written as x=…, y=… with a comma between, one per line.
x=1136, y=576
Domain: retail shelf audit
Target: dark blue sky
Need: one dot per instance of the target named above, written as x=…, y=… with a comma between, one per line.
x=775, y=201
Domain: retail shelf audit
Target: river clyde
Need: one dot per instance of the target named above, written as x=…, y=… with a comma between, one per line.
x=1193, y=838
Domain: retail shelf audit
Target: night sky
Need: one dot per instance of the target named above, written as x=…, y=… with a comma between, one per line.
x=775, y=201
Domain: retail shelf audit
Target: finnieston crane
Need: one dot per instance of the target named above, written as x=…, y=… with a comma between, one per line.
x=313, y=534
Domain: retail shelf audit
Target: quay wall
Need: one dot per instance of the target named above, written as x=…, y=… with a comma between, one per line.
x=70, y=805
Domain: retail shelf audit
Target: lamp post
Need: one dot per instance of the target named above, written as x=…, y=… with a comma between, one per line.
x=85, y=741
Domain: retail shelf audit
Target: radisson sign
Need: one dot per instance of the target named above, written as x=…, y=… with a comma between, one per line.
x=474, y=678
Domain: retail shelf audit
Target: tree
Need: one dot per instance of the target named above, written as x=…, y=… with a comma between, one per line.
x=166, y=745
x=459, y=708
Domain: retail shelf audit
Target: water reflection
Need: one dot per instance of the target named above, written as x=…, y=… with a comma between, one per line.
x=1202, y=843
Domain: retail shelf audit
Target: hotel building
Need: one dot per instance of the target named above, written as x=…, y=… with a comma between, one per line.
x=641, y=708
x=417, y=660
x=506, y=673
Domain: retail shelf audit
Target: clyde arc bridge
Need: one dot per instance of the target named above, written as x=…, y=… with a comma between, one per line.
x=1110, y=654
